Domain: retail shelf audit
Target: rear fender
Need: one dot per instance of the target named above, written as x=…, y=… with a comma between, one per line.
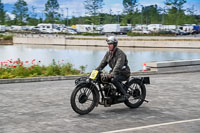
x=141, y=80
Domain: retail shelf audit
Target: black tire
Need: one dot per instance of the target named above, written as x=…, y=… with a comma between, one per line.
x=82, y=99
x=139, y=95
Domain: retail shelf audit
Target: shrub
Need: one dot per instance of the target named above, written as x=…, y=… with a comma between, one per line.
x=17, y=69
x=90, y=34
x=6, y=37
x=161, y=33
x=9, y=37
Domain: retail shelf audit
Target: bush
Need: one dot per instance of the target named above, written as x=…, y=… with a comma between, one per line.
x=6, y=37
x=9, y=37
x=90, y=34
x=17, y=69
x=161, y=33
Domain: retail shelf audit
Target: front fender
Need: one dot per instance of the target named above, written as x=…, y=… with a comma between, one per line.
x=94, y=89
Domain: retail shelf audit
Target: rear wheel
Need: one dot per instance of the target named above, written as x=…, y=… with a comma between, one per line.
x=83, y=99
x=137, y=92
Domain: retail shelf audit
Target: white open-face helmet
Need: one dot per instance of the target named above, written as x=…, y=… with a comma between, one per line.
x=112, y=40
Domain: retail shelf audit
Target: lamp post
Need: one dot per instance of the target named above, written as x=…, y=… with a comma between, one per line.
x=118, y=16
x=163, y=16
x=62, y=13
x=141, y=14
x=43, y=15
x=67, y=16
x=178, y=16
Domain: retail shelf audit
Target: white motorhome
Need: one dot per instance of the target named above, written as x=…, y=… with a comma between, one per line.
x=2, y=28
x=47, y=28
x=155, y=27
x=111, y=28
x=140, y=27
x=125, y=29
x=188, y=28
x=168, y=27
x=80, y=28
x=16, y=28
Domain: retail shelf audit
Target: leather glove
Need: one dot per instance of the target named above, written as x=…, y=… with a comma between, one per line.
x=110, y=76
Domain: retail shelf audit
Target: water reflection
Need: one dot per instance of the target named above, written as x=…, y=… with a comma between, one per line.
x=91, y=56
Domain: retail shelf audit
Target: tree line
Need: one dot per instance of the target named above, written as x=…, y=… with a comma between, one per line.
x=173, y=13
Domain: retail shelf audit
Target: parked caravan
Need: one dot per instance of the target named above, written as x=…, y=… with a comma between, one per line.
x=125, y=29
x=111, y=28
x=155, y=27
x=16, y=28
x=47, y=28
x=168, y=27
x=84, y=28
x=188, y=28
x=140, y=27
x=2, y=28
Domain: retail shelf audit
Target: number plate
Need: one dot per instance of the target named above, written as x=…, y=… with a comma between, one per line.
x=94, y=74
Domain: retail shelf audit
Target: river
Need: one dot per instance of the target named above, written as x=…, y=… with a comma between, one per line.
x=92, y=56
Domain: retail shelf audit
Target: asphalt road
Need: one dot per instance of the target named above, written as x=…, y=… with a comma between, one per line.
x=44, y=107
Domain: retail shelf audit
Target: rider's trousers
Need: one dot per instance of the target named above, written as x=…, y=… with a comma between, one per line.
x=116, y=80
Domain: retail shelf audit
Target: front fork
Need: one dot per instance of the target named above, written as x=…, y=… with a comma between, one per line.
x=101, y=102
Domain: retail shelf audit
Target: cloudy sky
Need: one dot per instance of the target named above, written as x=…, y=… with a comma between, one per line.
x=76, y=7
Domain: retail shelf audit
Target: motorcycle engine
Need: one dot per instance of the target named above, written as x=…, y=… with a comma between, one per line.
x=109, y=90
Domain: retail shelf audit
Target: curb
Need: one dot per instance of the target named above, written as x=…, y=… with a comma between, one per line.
x=73, y=77
x=38, y=79
x=55, y=78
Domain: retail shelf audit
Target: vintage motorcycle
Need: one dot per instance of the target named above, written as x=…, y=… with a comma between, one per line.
x=96, y=89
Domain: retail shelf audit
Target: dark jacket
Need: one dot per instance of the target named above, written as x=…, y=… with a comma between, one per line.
x=118, y=62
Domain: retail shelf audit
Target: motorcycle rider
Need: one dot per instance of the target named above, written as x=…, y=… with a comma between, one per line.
x=118, y=62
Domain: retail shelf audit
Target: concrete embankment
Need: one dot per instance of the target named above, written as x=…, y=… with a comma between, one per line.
x=149, y=42
x=174, y=66
x=6, y=42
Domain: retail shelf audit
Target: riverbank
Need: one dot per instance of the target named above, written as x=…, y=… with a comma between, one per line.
x=6, y=42
x=99, y=41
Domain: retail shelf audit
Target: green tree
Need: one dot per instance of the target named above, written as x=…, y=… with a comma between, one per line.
x=176, y=3
x=93, y=8
x=2, y=13
x=20, y=11
x=129, y=5
x=32, y=21
x=8, y=20
x=51, y=11
x=175, y=12
x=190, y=18
x=150, y=14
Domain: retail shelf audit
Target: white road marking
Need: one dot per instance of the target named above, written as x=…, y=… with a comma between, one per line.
x=150, y=126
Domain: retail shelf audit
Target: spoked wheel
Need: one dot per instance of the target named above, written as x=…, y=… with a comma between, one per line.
x=83, y=99
x=137, y=92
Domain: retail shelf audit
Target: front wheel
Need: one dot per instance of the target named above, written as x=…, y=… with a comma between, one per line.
x=137, y=92
x=83, y=99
